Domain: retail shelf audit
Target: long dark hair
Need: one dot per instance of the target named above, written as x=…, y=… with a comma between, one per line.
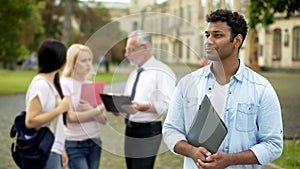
x=51, y=57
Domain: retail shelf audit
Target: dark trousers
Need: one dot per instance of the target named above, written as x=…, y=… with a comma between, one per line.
x=142, y=142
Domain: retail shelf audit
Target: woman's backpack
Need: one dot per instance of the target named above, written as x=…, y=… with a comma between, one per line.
x=31, y=147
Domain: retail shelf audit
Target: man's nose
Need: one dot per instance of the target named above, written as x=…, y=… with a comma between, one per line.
x=208, y=41
x=127, y=53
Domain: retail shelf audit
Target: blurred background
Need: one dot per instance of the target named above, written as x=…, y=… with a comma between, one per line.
x=272, y=48
x=273, y=40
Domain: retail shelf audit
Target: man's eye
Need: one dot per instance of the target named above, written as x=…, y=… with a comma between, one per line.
x=218, y=35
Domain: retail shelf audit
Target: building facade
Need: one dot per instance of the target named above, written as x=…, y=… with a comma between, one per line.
x=178, y=26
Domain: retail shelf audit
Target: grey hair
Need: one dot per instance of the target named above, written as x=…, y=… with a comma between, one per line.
x=144, y=38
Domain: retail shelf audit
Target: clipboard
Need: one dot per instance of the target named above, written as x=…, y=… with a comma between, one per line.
x=113, y=102
x=207, y=130
x=90, y=92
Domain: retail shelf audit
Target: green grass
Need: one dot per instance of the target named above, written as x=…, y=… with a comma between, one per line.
x=290, y=158
x=17, y=82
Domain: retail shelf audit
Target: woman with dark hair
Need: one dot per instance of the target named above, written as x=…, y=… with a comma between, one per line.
x=44, y=100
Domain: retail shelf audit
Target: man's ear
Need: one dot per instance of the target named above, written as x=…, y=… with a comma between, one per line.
x=238, y=40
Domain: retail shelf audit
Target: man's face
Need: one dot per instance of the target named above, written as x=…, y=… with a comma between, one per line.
x=217, y=43
x=135, y=52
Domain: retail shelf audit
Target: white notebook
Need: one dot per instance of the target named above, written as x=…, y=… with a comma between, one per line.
x=207, y=130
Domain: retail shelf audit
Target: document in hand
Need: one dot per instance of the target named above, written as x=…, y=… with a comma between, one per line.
x=207, y=130
x=113, y=102
x=90, y=92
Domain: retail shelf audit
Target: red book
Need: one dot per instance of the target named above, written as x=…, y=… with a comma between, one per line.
x=91, y=92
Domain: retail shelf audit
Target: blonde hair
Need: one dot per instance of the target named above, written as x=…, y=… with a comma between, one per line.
x=72, y=55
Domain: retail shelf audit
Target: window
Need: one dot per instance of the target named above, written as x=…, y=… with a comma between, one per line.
x=189, y=11
x=202, y=8
x=229, y=4
x=277, y=44
x=135, y=25
x=188, y=49
x=216, y=4
x=296, y=47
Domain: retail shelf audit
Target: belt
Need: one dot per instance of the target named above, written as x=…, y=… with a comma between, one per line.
x=147, y=124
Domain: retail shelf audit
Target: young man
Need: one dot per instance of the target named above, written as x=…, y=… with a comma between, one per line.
x=245, y=101
x=150, y=86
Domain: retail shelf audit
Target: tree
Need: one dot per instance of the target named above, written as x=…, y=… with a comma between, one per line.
x=90, y=19
x=67, y=24
x=51, y=14
x=32, y=30
x=12, y=16
x=263, y=11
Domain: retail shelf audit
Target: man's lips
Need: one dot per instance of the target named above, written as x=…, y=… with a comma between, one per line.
x=209, y=49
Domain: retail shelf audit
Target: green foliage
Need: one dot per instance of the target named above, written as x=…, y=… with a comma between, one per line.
x=51, y=13
x=263, y=11
x=12, y=15
x=32, y=30
x=24, y=24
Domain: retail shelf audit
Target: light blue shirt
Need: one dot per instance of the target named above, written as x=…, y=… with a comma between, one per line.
x=252, y=114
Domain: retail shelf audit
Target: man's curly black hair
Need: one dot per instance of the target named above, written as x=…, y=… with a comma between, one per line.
x=234, y=20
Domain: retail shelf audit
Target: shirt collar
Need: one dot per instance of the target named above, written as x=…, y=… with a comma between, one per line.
x=238, y=75
x=148, y=63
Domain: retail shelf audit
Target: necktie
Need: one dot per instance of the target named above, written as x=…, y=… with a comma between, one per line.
x=133, y=90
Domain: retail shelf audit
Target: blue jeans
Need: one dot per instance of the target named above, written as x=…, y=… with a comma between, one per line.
x=84, y=154
x=54, y=161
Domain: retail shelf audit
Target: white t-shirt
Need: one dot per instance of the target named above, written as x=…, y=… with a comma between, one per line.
x=47, y=95
x=83, y=130
x=218, y=100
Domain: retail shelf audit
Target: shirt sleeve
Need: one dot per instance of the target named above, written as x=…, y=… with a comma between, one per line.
x=65, y=87
x=40, y=89
x=165, y=88
x=174, y=125
x=270, y=135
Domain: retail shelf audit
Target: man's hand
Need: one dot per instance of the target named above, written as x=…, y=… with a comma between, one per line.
x=136, y=107
x=129, y=108
x=220, y=160
x=141, y=107
x=200, y=153
x=195, y=153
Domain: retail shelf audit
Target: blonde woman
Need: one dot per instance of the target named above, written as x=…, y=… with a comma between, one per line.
x=83, y=143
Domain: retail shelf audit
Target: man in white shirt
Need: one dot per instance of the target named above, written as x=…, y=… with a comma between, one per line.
x=150, y=86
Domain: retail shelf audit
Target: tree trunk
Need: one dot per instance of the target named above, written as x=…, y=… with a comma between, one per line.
x=67, y=25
